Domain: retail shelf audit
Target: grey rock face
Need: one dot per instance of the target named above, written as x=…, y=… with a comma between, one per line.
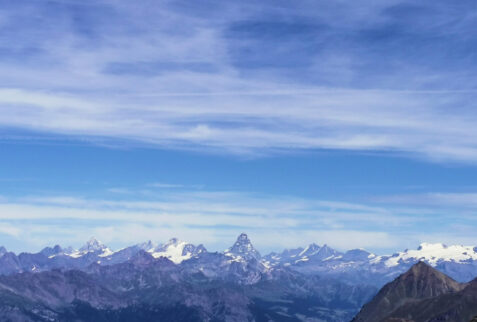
x=243, y=248
x=93, y=245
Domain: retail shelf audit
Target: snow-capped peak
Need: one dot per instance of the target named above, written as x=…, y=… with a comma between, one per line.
x=433, y=254
x=92, y=246
x=176, y=250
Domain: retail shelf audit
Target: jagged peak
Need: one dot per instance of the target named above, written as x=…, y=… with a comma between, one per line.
x=3, y=251
x=189, y=248
x=93, y=245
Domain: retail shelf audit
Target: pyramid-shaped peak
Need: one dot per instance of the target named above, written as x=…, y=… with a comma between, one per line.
x=421, y=268
x=244, y=248
x=421, y=281
x=3, y=250
x=428, y=280
x=243, y=238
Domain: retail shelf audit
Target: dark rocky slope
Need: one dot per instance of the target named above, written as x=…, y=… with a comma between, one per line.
x=422, y=294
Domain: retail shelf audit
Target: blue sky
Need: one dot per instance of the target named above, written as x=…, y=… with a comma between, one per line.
x=351, y=124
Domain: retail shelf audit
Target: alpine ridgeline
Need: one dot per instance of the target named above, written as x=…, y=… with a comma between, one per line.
x=183, y=282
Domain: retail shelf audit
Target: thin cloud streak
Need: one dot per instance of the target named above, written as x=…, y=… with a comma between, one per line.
x=218, y=215
x=173, y=77
x=465, y=200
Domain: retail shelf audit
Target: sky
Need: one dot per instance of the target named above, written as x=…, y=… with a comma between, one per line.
x=337, y=122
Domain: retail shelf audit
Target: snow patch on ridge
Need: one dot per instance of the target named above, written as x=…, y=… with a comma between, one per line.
x=173, y=250
x=176, y=250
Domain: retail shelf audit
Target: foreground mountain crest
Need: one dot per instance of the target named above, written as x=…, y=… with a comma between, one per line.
x=423, y=294
x=421, y=281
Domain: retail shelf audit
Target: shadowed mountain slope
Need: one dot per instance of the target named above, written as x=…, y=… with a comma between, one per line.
x=422, y=294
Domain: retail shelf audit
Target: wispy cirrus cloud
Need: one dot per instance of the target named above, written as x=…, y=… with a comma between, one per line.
x=245, y=78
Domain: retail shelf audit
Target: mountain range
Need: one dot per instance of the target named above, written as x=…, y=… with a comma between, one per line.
x=353, y=266
x=180, y=281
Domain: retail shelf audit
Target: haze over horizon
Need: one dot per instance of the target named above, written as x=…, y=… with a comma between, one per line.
x=324, y=122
